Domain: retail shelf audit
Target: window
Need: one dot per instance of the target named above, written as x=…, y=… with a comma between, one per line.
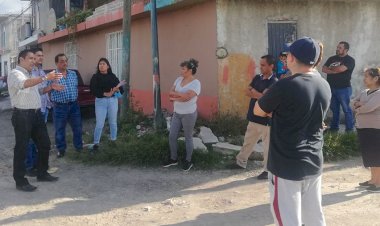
x=96, y=3
x=279, y=34
x=3, y=38
x=5, y=67
x=114, y=51
x=13, y=62
x=59, y=7
x=70, y=50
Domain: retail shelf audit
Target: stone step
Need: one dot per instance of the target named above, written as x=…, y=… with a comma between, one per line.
x=226, y=148
x=207, y=136
x=198, y=145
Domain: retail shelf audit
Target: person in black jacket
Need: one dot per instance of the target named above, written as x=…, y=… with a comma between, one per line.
x=105, y=86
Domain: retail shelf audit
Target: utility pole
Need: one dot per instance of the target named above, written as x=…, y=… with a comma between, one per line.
x=158, y=117
x=126, y=50
x=85, y=4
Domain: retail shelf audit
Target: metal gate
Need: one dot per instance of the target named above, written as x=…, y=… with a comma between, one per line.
x=279, y=34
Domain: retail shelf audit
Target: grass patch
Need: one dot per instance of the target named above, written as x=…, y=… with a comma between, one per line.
x=152, y=148
x=225, y=124
x=339, y=146
x=148, y=150
x=231, y=126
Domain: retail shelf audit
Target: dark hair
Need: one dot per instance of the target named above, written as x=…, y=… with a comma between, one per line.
x=36, y=50
x=269, y=59
x=23, y=54
x=190, y=64
x=109, y=71
x=58, y=56
x=374, y=72
x=345, y=44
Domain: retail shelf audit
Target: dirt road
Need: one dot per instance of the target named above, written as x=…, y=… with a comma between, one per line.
x=103, y=195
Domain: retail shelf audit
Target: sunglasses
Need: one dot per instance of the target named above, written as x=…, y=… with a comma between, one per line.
x=374, y=72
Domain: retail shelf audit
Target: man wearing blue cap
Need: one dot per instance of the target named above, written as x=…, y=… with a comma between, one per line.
x=298, y=105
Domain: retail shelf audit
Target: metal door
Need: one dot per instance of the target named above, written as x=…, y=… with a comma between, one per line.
x=279, y=34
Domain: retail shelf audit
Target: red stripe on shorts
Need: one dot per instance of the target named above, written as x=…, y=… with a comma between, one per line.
x=275, y=202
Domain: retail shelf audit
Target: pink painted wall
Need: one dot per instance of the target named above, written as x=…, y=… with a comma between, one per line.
x=183, y=33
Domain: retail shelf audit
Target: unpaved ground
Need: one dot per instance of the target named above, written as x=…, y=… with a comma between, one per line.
x=102, y=195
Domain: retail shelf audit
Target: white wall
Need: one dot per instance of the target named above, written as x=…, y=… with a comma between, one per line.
x=242, y=27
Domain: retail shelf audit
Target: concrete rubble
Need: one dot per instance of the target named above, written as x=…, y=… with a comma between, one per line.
x=226, y=148
x=198, y=145
x=207, y=136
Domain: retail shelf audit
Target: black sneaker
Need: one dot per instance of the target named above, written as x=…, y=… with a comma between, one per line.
x=373, y=188
x=31, y=172
x=26, y=187
x=47, y=178
x=60, y=154
x=263, y=176
x=234, y=166
x=365, y=184
x=78, y=150
x=187, y=165
x=170, y=162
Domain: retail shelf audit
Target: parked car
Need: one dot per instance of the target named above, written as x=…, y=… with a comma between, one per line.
x=85, y=98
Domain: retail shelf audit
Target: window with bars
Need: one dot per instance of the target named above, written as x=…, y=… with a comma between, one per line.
x=114, y=52
x=13, y=62
x=70, y=50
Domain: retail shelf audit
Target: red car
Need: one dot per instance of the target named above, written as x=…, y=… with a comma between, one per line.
x=85, y=98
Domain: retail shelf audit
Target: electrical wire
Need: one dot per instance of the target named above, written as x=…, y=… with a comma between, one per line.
x=22, y=12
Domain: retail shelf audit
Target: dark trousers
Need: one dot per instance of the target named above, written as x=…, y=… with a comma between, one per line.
x=29, y=124
x=31, y=156
x=63, y=113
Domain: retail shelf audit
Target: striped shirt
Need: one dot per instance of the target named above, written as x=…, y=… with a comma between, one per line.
x=70, y=92
x=22, y=98
x=368, y=114
x=45, y=100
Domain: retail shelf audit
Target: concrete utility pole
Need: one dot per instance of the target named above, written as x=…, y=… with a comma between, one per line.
x=158, y=117
x=126, y=50
x=85, y=4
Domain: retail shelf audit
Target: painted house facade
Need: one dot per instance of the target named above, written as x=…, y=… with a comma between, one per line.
x=13, y=28
x=226, y=36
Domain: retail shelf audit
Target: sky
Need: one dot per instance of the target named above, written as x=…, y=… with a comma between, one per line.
x=12, y=6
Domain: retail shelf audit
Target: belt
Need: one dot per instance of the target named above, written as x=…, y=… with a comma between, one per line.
x=27, y=110
x=66, y=103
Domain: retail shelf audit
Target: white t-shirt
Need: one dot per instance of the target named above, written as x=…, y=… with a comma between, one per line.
x=190, y=106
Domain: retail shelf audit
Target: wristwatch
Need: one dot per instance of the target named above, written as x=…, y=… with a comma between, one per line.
x=44, y=78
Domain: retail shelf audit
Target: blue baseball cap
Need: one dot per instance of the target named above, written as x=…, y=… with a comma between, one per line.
x=305, y=50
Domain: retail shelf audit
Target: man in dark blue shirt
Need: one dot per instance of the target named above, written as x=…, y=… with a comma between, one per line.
x=258, y=127
x=298, y=105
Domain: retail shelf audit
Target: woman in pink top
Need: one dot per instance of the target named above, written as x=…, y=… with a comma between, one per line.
x=367, y=109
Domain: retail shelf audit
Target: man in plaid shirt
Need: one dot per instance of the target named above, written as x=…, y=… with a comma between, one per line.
x=66, y=107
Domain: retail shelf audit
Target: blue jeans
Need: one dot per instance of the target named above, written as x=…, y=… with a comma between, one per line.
x=341, y=97
x=105, y=107
x=31, y=151
x=62, y=114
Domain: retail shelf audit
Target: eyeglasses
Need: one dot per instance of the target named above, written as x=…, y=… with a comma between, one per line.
x=374, y=72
